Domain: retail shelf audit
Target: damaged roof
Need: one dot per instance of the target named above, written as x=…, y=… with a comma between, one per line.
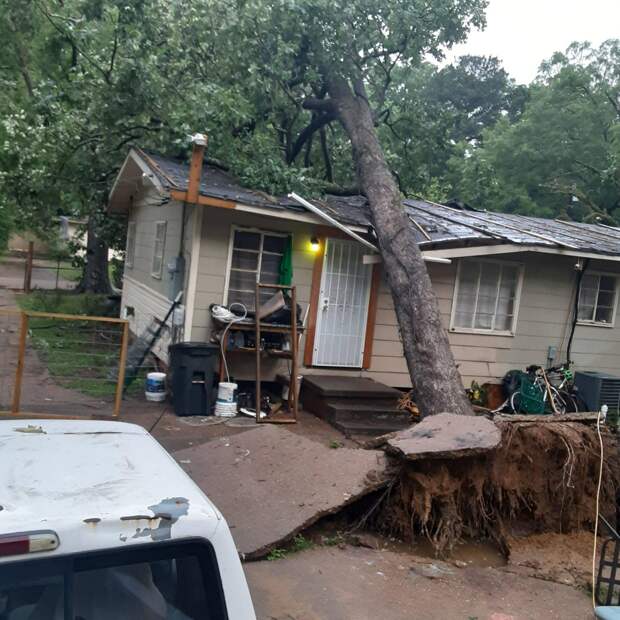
x=435, y=226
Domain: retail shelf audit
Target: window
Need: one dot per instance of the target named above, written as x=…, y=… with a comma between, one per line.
x=254, y=255
x=158, y=249
x=597, y=299
x=179, y=581
x=131, y=244
x=486, y=296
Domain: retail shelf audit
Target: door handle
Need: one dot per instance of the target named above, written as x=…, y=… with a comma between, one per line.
x=324, y=303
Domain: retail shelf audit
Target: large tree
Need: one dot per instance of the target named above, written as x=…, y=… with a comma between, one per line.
x=274, y=82
x=336, y=58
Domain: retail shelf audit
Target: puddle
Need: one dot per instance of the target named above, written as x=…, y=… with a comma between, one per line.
x=481, y=554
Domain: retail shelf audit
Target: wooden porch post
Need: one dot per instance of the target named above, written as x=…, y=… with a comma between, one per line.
x=19, y=371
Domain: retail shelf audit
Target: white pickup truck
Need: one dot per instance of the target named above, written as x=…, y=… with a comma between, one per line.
x=97, y=522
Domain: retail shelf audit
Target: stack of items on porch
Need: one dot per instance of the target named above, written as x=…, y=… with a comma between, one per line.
x=201, y=380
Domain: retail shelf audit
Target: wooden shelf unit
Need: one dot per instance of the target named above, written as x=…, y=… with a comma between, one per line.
x=261, y=327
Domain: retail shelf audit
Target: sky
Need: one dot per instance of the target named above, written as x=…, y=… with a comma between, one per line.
x=522, y=33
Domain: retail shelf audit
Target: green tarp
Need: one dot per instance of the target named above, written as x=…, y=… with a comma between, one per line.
x=286, y=264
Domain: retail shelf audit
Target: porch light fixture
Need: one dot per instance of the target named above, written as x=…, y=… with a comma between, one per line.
x=314, y=244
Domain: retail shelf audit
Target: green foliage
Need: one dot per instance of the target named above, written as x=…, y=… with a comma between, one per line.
x=65, y=303
x=561, y=157
x=431, y=112
x=299, y=543
x=276, y=554
x=83, y=79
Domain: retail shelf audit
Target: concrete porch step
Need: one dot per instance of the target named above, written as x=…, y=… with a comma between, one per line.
x=333, y=386
x=344, y=409
x=378, y=427
x=354, y=405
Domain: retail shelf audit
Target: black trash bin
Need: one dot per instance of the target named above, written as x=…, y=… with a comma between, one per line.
x=193, y=366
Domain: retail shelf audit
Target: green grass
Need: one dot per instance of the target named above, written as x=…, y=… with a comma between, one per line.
x=80, y=355
x=65, y=302
x=300, y=543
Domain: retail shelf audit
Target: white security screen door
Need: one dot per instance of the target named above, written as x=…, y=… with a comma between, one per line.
x=343, y=305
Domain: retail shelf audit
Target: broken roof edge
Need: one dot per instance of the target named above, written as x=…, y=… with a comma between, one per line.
x=438, y=227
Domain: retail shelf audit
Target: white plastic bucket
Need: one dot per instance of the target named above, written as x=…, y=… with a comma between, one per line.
x=226, y=392
x=225, y=410
x=155, y=388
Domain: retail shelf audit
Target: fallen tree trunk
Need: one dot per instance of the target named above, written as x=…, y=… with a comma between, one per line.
x=435, y=378
x=543, y=477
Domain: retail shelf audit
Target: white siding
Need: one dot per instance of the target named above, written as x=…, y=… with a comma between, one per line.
x=543, y=319
x=146, y=304
x=146, y=212
x=147, y=295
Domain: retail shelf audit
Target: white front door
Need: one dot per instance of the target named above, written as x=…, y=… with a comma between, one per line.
x=343, y=305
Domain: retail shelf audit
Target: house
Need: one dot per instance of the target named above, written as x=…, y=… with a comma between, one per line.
x=506, y=284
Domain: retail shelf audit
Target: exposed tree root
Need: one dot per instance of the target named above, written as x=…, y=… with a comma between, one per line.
x=542, y=478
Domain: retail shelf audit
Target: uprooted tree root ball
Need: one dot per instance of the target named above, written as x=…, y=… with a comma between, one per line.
x=543, y=477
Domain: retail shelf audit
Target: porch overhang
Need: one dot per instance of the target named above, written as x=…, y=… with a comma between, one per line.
x=512, y=248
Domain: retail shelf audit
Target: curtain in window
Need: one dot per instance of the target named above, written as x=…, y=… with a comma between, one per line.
x=597, y=299
x=486, y=296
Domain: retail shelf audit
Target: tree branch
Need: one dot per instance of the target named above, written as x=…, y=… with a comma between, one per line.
x=319, y=105
x=318, y=122
x=329, y=173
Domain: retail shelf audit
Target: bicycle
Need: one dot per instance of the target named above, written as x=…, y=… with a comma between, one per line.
x=537, y=394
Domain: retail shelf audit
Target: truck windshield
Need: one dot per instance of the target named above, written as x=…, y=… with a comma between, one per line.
x=178, y=581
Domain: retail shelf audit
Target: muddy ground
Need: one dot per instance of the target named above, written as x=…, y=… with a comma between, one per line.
x=544, y=578
x=356, y=583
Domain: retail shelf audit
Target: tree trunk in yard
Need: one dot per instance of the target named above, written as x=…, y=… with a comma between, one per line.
x=435, y=378
x=95, y=276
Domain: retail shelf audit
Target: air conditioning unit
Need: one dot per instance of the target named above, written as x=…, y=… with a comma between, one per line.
x=598, y=389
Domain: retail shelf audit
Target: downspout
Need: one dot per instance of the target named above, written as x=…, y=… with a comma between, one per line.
x=334, y=222
x=569, y=346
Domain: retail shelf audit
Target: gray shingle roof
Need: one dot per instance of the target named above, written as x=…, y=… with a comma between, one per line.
x=443, y=226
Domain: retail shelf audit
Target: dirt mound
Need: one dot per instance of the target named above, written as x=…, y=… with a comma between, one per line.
x=561, y=558
x=542, y=478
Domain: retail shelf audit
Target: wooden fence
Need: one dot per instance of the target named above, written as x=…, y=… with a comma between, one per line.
x=79, y=360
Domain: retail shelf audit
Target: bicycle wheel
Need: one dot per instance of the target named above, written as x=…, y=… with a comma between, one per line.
x=560, y=404
x=515, y=402
x=578, y=403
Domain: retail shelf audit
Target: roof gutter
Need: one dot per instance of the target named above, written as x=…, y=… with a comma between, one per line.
x=334, y=222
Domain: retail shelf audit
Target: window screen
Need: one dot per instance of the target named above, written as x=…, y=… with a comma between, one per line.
x=486, y=297
x=256, y=256
x=597, y=299
x=131, y=244
x=158, y=249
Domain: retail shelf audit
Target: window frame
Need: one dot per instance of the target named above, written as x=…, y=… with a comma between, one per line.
x=231, y=241
x=70, y=564
x=517, y=299
x=130, y=246
x=594, y=322
x=155, y=273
